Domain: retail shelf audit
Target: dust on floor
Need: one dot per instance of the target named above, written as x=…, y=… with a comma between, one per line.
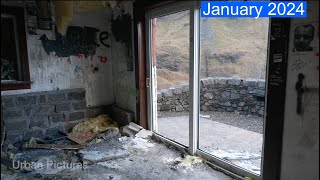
x=117, y=158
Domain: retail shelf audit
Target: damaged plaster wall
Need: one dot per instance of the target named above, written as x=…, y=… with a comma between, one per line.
x=50, y=72
x=300, y=150
x=125, y=91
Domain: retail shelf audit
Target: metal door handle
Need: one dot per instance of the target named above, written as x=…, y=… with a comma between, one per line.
x=148, y=82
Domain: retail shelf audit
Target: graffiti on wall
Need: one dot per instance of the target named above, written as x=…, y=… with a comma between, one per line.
x=300, y=90
x=122, y=30
x=78, y=41
x=298, y=65
x=126, y=89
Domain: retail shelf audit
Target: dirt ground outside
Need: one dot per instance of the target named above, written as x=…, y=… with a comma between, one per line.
x=235, y=138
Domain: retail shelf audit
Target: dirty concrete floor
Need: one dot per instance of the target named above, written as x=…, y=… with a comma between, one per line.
x=122, y=158
x=236, y=145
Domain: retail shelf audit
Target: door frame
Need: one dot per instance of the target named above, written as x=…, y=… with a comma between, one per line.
x=272, y=141
x=151, y=74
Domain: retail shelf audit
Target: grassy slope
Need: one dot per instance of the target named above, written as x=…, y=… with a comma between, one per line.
x=234, y=47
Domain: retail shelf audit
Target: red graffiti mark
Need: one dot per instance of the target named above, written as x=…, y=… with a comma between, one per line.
x=79, y=55
x=103, y=59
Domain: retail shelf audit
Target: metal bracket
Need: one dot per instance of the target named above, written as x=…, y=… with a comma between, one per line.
x=148, y=82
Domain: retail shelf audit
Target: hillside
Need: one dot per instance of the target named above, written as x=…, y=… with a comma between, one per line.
x=230, y=47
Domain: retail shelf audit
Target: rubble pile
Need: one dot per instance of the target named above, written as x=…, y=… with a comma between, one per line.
x=91, y=141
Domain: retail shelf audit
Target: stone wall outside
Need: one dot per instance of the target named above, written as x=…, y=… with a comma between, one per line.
x=218, y=94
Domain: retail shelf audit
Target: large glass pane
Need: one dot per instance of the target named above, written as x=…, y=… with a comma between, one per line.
x=232, y=91
x=171, y=49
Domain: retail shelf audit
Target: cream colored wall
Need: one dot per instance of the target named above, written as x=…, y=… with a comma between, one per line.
x=50, y=72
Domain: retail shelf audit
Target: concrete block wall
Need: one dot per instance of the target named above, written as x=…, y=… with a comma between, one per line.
x=45, y=113
x=217, y=94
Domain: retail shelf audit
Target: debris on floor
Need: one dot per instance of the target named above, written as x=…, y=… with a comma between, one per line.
x=135, y=127
x=145, y=134
x=93, y=129
x=96, y=125
x=204, y=116
x=81, y=137
x=190, y=161
x=128, y=131
x=6, y=170
x=35, y=141
x=52, y=146
x=104, y=151
x=137, y=143
x=98, y=149
x=249, y=161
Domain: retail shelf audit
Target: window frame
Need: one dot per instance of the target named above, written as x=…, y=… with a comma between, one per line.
x=24, y=82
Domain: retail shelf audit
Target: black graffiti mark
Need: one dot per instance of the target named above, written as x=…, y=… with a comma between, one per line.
x=121, y=30
x=78, y=40
x=275, y=77
x=89, y=39
x=298, y=65
x=94, y=68
x=308, y=139
x=300, y=90
x=104, y=36
x=276, y=30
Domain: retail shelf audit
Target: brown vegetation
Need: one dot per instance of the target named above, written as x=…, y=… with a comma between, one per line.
x=229, y=48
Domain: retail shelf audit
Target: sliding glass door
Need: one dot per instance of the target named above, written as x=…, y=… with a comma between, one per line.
x=169, y=72
x=206, y=85
x=232, y=89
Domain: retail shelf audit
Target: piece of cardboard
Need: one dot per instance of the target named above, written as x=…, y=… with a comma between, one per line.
x=81, y=138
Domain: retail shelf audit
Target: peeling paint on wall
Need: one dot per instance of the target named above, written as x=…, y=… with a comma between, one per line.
x=49, y=72
x=125, y=92
x=64, y=14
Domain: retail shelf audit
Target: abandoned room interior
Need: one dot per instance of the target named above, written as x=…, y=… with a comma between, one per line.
x=137, y=90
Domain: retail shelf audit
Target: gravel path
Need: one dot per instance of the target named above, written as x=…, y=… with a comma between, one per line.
x=250, y=123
